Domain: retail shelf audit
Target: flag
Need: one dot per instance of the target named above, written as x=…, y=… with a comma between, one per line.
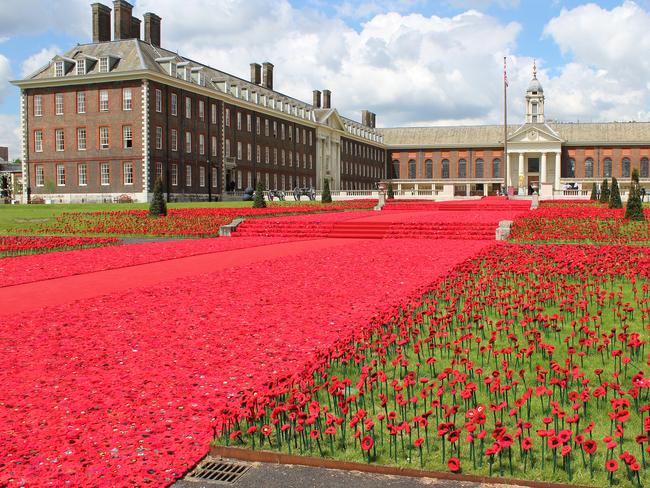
x=505, y=74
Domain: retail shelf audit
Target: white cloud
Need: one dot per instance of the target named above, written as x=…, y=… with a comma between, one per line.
x=483, y=4
x=410, y=69
x=37, y=16
x=10, y=134
x=5, y=76
x=607, y=76
x=38, y=60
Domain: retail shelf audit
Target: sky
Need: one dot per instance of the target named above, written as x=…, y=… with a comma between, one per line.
x=413, y=62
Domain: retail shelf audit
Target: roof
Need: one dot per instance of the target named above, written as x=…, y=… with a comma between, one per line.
x=10, y=168
x=492, y=135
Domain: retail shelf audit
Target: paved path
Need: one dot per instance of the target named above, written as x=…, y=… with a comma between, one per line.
x=38, y=294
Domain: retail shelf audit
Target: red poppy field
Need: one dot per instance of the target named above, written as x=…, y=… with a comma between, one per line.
x=20, y=245
x=527, y=362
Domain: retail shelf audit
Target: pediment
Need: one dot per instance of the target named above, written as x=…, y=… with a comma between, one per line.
x=532, y=133
x=330, y=118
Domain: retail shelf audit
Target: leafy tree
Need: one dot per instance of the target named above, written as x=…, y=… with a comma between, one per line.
x=390, y=194
x=604, y=192
x=158, y=206
x=326, y=196
x=258, y=201
x=594, y=192
x=634, y=206
x=615, y=195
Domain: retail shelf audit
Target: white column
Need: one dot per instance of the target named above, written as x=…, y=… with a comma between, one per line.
x=542, y=176
x=556, y=184
x=520, y=174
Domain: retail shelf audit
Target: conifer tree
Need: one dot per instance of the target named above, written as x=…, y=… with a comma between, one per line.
x=615, y=195
x=259, y=201
x=326, y=196
x=390, y=194
x=634, y=207
x=594, y=192
x=604, y=192
x=158, y=206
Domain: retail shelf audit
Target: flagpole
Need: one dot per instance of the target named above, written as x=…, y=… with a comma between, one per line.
x=505, y=126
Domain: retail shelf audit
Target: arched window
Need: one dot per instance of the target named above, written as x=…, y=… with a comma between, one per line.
x=625, y=169
x=396, y=169
x=496, y=168
x=412, y=169
x=445, y=168
x=479, y=168
x=644, y=168
x=428, y=166
x=589, y=168
x=571, y=168
x=607, y=168
x=462, y=168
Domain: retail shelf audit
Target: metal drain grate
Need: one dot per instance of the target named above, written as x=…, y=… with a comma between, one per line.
x=223, y=472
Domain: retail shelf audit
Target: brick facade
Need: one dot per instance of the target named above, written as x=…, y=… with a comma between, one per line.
x=362, y=165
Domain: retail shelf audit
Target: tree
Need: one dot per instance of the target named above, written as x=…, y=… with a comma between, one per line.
x=615, y=195
x=258, y=201
x=158, y=206
x=594, y=192
x=634, y=207
x=326, y=196
x=390, y=194
x=604, y=192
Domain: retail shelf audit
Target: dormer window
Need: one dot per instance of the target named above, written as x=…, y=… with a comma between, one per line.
x=103, y=64
x=172, y=70
x=59, y=69
x=81, y=67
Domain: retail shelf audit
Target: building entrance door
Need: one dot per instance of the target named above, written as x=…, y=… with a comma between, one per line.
x=533, y=184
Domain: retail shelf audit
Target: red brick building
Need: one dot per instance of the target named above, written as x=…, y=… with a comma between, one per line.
x=110, y=117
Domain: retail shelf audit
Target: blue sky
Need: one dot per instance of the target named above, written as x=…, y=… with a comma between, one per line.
x=414, y=62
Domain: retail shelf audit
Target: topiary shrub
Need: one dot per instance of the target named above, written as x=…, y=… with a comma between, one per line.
x=615, y=195
x=594, y=192
x=634, y=206
x=326, y=196
x=158, y=206
x=390, y=194
x=604, y=192
x=258, y=201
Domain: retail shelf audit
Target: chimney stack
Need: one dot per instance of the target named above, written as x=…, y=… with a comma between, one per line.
x=152, y=29
x=135, y=28
x=256, y=74
x=101, y=22
x=267, y=75
x=316, y=99
x=373, y=120
x=122, y=22
x=366, y=118
x=327, y=99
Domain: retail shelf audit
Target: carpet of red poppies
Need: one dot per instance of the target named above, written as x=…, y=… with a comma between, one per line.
x=18, y=245
x=124, y=389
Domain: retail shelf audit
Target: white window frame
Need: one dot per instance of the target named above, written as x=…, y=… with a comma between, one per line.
x=103, y=100
x=59, y=139
x=104, y=142
x=238, y=120
x=188, y=107
x=59, y=69
x=59, y=104
x=82, y=174
x=227, y=147
x=103, y=64
x=215, y=177
x=201, y=144
x=104, y=174
x=227, y=117
x=188, y=175
x=240, y=151
x=127, y=99
x=158, y=100
x=159, y=137
x=213, y=113
x=38, y=105
x=174, y=175
x=174, y=104
x=82, y=138
x=188, y=142
x=201, y=110
x=60, y=175
x=39, y=178
x=127, y=172
x=201, y=176
x=127, y=135
x=38, y=140
x=81, y=102
x=174, y=141
x=81, y=67
x=213, y=146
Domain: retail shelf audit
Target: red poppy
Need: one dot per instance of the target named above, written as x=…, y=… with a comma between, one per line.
x=611, y=465
x=315, y=434
x=418, y=442
x=590, y=446
x=454, y=464
x=366, y=443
